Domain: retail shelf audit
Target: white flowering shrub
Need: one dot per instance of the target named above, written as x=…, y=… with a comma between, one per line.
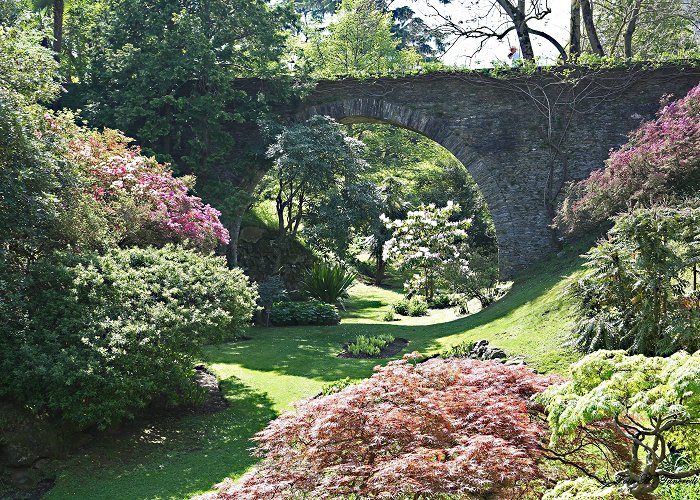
x=425, y=241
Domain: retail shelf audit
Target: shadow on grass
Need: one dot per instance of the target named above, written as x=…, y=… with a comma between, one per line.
x=311, y=351
x=170, y=457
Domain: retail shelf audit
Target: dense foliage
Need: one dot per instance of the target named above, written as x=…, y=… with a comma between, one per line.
x=304, y=313
x=359, y=42
x=142, y=199
x=317, y=185
x=640, y=292
x=98, y=337
x=328, y=282
x=424, y=241
x=661, y=161
x=654, y=403
x=370, y=345
x=95, y=328
x=457, y=427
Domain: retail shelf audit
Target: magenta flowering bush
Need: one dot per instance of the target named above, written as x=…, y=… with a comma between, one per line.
x=661, y=160
x=147, y=204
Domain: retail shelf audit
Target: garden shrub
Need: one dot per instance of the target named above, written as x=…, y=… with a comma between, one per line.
x=653, y=402
x=102, y=336
x=337, y=386
x=401, y=307
x=304, y=313
x=369, y=345
x=461, y=350
x=441, y=301
x=442, y=427
x=638, y=292
x=417, y=306
x=389, y=315
x=328, y=282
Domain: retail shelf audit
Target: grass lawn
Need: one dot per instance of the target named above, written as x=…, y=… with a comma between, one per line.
x=178, y=457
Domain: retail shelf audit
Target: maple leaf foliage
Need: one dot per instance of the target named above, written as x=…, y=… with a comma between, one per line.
x=444, y=426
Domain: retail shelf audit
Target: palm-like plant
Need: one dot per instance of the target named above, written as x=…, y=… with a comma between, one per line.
x=328, y=282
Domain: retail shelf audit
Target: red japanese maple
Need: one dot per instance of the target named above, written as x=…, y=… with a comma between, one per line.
x=456, y=426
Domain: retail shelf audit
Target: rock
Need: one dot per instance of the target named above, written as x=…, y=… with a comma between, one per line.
x=494, y=353
x=251, y=234
x=516, y=361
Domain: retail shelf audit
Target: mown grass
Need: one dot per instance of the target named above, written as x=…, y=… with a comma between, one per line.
x=179, y=457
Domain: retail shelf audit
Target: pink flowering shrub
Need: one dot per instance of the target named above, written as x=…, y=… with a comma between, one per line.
x=146, y=204
x=661, y=160
x=456, y=426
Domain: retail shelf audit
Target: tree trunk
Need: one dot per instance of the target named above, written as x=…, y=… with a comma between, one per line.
x=575, y=29
x=517, y=15
x=631, y=27
x=381, y=268
x=234, y=232
x=587, y=14
x=58, y=6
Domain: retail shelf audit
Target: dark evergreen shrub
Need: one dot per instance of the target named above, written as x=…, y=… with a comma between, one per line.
x=304, y=313
x=96, y=338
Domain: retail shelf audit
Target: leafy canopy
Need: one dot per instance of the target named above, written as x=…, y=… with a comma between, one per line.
x=655, y=402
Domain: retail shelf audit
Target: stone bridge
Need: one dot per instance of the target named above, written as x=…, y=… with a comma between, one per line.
x=521, y=137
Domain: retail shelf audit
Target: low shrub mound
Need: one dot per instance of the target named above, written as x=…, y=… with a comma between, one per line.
x=373, y=346
x=416, y=306
x=102, y=336
x=304, y=313
x=442, y=427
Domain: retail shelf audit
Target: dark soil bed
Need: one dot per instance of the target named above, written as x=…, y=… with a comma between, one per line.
x=391, y=350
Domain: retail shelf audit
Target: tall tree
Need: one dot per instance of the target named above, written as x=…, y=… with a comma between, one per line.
x=495, y=19
x=359, y=42
x=591, y=31
x=646, y=29
x=575, y=29
x=168, y=73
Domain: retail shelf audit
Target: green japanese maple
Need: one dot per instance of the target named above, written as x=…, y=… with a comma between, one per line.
x=653, y=401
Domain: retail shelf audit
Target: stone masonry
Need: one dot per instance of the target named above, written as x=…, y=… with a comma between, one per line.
x=521, y=138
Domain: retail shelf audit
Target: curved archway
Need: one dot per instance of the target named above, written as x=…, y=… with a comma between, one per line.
x=386, y=112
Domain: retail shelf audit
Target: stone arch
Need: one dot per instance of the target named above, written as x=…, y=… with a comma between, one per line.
x=373, y=110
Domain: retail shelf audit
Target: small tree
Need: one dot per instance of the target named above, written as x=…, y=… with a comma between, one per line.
x=443, y=427
x=359, y=42
x=654, y=402
x=424, y=241
x=316, y=180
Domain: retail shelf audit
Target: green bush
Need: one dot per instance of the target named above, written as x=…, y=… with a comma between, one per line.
x=461, y=350
x=370, y=346
x=102, y=336
x=304, y=313
x=441, y=301
x=337, y=386
x=401, y=307
x=389, y=315
x=328, y=282
x=417, y=306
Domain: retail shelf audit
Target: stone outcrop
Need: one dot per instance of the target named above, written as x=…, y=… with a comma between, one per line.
x=262, y=254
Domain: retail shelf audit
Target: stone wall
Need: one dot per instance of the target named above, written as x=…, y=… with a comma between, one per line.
x=521, y=138
x=258, y=250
